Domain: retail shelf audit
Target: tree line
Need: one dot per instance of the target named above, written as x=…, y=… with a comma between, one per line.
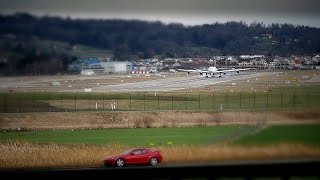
x=133, y=39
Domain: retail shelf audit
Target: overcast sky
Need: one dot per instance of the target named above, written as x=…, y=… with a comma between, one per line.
x=188, y=12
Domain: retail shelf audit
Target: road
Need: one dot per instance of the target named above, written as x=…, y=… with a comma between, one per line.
x=265, y=169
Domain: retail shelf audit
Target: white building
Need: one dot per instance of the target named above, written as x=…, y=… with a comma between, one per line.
x=109, y=67
x=87, y=72
x=246, y=63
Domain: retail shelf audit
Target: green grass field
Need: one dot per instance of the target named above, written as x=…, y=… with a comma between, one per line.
x=301, y=134
x=131, y=137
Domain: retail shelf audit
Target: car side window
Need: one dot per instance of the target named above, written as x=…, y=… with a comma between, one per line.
x=137, y=152
x=144, y=151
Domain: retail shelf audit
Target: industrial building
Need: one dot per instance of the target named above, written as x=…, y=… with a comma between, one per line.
x=108, y=68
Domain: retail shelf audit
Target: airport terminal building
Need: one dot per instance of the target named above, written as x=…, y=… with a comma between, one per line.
x=107, y=68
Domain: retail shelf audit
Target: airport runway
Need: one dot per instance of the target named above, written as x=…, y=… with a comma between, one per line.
x=173, y=84
x=127, y=83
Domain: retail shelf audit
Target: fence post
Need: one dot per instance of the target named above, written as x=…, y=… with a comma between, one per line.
x=220, y=120
x=48, y=102
x=75, y=102
x=171, y=101
x=102, y=102
x=227, y=99
x=294, y=99
x=33, y=108
x=158, y=102
x=267, y=100
x=61, y=102
x=19, y=106
x=254, y=99
x=89, y=101
x=5, y=103
x=199, y=101
x=240, y=98
x=308, y=100
x=144, y=101
x=130, y=102
x=212, y=99
x=185, y=100
x=281, y=98
x=117, y=101
x=112, y=118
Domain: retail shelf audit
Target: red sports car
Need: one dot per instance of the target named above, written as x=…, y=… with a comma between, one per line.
x=135, y=156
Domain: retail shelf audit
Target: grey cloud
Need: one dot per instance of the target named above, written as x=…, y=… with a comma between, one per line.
x=184, y=11
x=158, y=6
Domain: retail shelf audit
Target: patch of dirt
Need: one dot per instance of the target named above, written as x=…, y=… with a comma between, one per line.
x=104, y=119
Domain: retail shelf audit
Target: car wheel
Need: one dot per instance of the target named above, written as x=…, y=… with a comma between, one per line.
x=153, y=161
x=120, y=162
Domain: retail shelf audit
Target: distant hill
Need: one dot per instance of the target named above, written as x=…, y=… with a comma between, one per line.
x=132, y=39
x=35, y=56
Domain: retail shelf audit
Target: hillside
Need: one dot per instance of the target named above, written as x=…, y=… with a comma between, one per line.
x=40, y=56
x=25, y=38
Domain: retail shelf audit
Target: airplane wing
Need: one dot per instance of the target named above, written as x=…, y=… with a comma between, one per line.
x=218, y=71
x=211, y=73
x=189, y=70
x=232, y=70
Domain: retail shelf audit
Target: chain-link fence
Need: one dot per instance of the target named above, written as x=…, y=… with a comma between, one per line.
x=68, y=102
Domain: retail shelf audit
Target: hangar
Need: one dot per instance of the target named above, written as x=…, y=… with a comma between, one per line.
x=109, y=67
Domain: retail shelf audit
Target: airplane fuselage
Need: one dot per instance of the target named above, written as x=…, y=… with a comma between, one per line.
x=214, y=72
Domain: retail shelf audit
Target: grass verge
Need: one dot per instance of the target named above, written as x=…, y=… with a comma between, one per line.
x=30, y=155
x=187, y=145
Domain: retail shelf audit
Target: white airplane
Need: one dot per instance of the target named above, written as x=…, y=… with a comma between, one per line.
x=213, y=71
x=172, y=70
